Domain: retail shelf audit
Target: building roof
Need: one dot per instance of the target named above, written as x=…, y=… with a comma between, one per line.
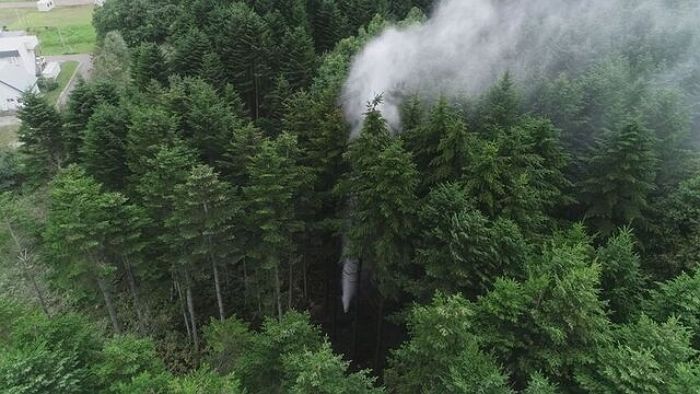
x=16, y=77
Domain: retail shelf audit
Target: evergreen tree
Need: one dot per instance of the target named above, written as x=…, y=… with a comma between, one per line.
x=621, y=277
x=328, y=24
x=111, y=61
x=148, y=64
x=621, y=174
x=551, y=322
x=265, y=359
x=298, y=63
x=150, y=128
x=212, y=70
x=41, y=137
x=243, y=40
x=276, y=103
x=677, y=297
x=201, y=225
x=190, y=50
x=82, y=102
x=244, y=145
x=381, y=192
x=643, y=357
x=325, y=373
x=79, y=221
x=500, y=107
x=103, y=153
x=459, y=250
x=443, y=355
x=275, y=181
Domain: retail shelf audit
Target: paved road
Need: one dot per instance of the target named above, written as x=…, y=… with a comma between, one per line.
x=84, y=70
x=59, y=3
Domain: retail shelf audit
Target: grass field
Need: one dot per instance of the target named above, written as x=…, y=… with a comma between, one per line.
x=62, y=31
x=8, y=136
x=67, y=71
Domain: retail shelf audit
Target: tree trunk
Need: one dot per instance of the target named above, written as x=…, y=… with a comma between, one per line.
x=303, y=268
x=245, y=283
x=134, y=293
x=190, y=308
x=181, y=301
x=355, y=320
x=217, y=286
x=278, y=292
x=40, y=296
x=25, y=259
x=289, y=287
x=215, y=268
x=107, y=295
x=378, y=341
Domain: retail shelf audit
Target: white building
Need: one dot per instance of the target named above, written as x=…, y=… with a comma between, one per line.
x=18, y=68
x=45, y=5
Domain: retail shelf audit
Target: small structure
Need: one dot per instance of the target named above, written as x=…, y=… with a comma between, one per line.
x=45, y=5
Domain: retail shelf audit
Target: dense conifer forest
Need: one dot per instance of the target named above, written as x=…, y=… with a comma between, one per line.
x=204, y=217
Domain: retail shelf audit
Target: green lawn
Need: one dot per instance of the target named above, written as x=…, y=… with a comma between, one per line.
x=67, y=71
x=8, y=135
x=61, y=31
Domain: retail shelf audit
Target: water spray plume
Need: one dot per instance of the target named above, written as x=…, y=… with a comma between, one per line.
x=466, y=45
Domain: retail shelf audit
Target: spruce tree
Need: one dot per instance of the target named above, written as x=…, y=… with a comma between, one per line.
x=328, y=24
x=298, y=63
x=82, y=102
x=148, y=64
x=201, y=224
x=41, y=137
x=552, y=321
x=79, y=221
x=150, y=128
x=459, y=250
x=621, y=277
x=190, y=50
x=103, y=152
x=381, y=195
x=443, y=355
x=620, y=178
x=275, y=182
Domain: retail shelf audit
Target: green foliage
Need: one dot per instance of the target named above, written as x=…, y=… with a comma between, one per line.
x=259, y=358
x=462, y=251
x=40, y=134
x=539, y=384
x=82, y=103
x=621, y=174
x=148, y=64
x=111, y=60
x=679, y=297
x=103, y=152
x=43, y=355
x=324, y=372
x=443, y=355
x=381, y=190
x=550, y=322
x=149, y=130
x=645, y=357
x=125, y=358
x=204, y=381
x=621, y=276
